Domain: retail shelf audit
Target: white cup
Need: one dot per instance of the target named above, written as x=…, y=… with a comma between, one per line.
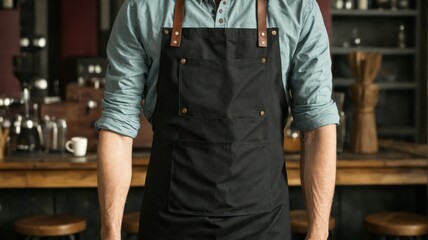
x=77, y=146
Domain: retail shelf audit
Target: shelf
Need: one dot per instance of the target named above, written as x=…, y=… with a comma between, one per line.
x=398, y=131
x=384, y=51
x=374, y=13
x=347, y=82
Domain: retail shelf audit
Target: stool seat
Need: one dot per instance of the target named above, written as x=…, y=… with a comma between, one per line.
x=400, y=224
x=50, y=226
x=131, y=222
x=299, y=222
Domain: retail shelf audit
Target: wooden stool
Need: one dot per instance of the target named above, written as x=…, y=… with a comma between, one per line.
x=396, y=224
x=131, y=223
x=51, y=226
x=299, y=222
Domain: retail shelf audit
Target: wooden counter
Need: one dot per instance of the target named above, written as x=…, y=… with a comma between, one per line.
x=63, y=171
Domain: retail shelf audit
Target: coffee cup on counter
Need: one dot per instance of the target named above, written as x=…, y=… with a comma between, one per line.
x=77, y=146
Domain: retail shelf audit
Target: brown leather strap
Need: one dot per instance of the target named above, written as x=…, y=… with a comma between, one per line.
x=261, y=23
x=178, y=23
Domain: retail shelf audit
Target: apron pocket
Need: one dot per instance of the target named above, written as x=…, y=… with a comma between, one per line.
x=219, y=179
x=222, y=88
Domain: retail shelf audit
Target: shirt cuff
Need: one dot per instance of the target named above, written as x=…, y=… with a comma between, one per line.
x=118, y=126
x=309, y=117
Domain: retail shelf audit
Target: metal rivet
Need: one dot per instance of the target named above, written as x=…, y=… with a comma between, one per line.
x=166, y=31
x=262, y=34
x=263, y=42
x=177, y=33
x=183, y=61
x=263, y=60
x=184, y=110
x=262, y=113
x=274, y=32
x=175, y=42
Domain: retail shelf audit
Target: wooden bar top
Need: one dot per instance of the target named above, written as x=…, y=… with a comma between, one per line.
x=58, y=171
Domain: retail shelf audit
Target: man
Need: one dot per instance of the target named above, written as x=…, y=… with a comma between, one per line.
x=217, y=78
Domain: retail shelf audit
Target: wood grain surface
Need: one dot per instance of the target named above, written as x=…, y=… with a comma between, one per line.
x=50, y=225
x=64, y=171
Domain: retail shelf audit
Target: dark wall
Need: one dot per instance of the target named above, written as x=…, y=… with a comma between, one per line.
x=79, y=35
x=325, y=6
x=9, y=42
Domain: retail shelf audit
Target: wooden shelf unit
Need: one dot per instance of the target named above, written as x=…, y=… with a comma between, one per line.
x=398, y=112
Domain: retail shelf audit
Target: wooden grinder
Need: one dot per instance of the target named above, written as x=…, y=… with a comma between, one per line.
x=4, y=134
x=365, y=96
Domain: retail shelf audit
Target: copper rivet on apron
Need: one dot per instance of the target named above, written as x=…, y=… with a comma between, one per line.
x=263, y=60
x=175, y=42
x=184, y=110
x=274, y=32
x=176, y=33
x=166, y=31
x=183, y=61
x=262, y=113
x=262, y=34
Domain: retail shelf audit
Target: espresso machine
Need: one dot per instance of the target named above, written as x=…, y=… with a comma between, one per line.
x=26, y=68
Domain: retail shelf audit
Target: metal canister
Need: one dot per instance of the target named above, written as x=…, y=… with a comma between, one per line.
x=62, y=135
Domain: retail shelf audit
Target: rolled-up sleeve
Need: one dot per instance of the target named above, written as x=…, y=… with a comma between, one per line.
x=126, y=74
x=311, y=78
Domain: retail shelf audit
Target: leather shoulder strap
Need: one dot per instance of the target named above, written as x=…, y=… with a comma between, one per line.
x=177, y=24
x=261, y=23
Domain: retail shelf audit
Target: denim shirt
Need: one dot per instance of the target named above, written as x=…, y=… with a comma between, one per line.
x=134, y=55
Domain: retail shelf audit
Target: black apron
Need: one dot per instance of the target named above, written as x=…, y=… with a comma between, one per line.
x=217, y=167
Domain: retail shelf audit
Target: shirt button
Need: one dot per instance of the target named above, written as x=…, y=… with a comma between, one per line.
x=220, y=11
x=221, y=20
x=224, y=2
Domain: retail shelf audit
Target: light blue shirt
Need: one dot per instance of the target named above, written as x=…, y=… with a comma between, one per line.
x=134, y=50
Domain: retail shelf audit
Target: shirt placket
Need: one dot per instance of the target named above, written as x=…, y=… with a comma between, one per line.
x=221, y=17
x=219, y=14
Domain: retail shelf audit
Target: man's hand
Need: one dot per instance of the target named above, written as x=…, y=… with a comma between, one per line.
x=114, y=167
x=318, y=176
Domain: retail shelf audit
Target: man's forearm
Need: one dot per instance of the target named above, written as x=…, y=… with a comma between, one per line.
x=318, y=176
x=114, y=177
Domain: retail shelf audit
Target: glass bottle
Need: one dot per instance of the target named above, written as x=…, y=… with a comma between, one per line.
x=349, y=4
x=356, y=40
x=402, y=37
x=341, y=132
x=339, y=4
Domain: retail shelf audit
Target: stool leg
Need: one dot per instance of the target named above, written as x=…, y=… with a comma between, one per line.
x=331, y=235
x=130, y=236
x=78, y=236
